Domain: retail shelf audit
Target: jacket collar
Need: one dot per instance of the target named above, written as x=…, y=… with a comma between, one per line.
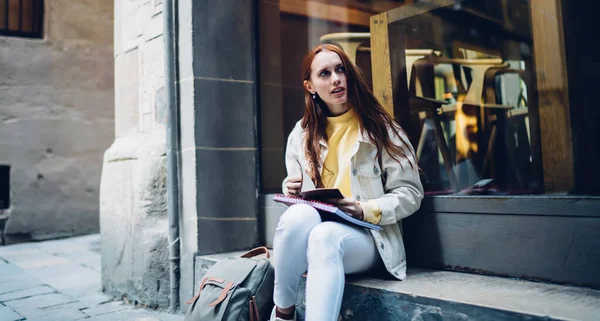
x=363, y=137
x=323, y=142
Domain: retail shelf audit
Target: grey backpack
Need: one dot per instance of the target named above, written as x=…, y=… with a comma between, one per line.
x=239, y=289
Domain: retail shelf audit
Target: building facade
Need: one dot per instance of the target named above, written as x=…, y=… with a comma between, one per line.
x=56, y=116
x=495, y=96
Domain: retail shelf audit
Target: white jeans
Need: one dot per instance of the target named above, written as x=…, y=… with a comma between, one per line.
x=328, y=250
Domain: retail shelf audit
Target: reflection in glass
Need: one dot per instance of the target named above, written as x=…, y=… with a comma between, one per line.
x=469, y=85
x=484, y=121
x=469, y=103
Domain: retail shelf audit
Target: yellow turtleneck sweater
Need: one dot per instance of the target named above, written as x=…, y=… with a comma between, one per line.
x=342, y=133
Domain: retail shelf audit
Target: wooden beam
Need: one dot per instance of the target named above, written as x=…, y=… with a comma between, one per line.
x=314, y=9
x=552, y=86
x=417, y=8
x=380, y=62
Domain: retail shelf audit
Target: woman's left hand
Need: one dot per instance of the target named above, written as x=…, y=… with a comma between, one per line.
x=349, y=206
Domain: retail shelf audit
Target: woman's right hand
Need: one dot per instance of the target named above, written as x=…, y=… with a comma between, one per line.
x=293, y=185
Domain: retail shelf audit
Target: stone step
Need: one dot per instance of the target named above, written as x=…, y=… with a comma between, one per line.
x=443, y=295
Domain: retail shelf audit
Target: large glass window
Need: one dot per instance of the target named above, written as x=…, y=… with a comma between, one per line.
x=480, y=87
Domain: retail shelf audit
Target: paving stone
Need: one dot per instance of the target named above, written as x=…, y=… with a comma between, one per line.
x=84, y=289
x=92, y=262
x=88, y=278
x=17, y=248
x=107, y=308
x=42, y=262
x=90, y=242
x=158, y=316
x=63, y=247
x=163, y=316
x=77, y=305
x=8, y=314
x=21, y=253
x=18, y=283
x=51, y=272
x=87, y=259
x=8, y=271
x=32, y=271
x=53, y=313
x=63, y=312
x=25, y=293
x=70, y=315
x=47, y=311
x=94, y=298
x=67, y=315
x=40, y=301
x=34, y=259
x=137, y=315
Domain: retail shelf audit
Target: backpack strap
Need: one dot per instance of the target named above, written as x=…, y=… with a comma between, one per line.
x=199, y=290
x=202, y=284
x=257, y=251
x=223, y=294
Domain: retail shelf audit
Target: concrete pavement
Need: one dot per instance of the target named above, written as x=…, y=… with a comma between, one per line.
x=60, y=280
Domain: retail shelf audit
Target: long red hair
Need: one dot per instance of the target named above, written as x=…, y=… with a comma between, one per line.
x=373, y=119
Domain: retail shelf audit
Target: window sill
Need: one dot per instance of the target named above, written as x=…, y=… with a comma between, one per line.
x=544, y=204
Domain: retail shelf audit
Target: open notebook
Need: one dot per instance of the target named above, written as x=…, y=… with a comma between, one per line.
x=328, y=212
x=315, y=197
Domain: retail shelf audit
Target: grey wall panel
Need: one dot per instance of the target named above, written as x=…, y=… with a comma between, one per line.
x=555, y=248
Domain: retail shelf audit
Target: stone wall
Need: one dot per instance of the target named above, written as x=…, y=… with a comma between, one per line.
x=56, y=120
x=133, y=209
x=216, y=87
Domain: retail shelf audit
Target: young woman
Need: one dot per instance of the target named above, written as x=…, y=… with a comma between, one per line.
x=345, y=140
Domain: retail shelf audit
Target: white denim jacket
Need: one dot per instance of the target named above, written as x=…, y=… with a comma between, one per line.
x=395, y=187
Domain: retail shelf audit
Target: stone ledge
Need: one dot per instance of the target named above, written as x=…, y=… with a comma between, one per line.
x=443, y=295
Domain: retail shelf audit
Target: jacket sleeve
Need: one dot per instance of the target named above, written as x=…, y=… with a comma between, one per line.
x=403, y=188
x=292, y=156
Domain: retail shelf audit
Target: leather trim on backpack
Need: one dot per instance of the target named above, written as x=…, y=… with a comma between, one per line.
x=254, y=315
x=256, y=252
x=199, y=290
x=204, y=280
x=218, y=280
x=223, y=294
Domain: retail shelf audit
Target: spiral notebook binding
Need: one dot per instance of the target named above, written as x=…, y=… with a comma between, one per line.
x=325, y=207
x=299, y=200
